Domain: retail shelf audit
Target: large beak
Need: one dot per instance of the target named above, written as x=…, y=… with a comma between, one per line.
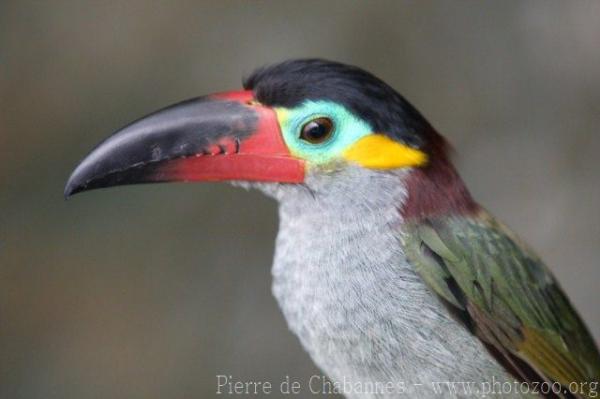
x=226, y=136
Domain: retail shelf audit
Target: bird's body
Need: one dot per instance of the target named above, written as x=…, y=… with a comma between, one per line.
x=355, y=301
x=395, y=280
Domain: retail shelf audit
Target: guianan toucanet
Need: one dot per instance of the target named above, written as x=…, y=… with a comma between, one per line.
x=385, y=267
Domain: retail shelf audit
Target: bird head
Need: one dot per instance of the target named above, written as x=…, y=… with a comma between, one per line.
x=293, y=123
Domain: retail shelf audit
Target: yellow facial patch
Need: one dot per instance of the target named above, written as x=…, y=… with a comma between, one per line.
x=376, y=151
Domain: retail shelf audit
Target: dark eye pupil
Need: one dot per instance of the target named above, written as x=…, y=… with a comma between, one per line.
x=317, y=131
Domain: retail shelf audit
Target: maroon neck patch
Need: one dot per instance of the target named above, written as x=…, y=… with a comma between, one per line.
x=436, y=189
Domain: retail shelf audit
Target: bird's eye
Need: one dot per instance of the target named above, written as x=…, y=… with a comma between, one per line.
x=317, y=130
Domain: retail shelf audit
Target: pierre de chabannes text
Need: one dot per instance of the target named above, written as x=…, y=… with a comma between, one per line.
x=321, y=385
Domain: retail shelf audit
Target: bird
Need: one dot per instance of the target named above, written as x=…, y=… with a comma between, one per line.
x=387, y=270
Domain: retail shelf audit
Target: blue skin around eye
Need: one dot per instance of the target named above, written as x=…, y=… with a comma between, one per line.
x=348, y=128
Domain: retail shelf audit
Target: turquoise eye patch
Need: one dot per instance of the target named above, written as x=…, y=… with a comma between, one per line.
x=347, y=129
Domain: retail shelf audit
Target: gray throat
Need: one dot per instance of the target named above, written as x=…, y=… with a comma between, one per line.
x=348, y=292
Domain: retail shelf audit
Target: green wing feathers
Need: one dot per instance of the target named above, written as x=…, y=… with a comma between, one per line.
x=510, y=298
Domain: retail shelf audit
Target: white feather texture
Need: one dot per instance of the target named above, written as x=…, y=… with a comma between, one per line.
x=347, y=291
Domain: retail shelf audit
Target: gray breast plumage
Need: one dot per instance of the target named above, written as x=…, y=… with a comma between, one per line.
x=347, y=291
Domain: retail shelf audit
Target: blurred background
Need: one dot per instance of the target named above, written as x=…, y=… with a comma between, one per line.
x=150, y=291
